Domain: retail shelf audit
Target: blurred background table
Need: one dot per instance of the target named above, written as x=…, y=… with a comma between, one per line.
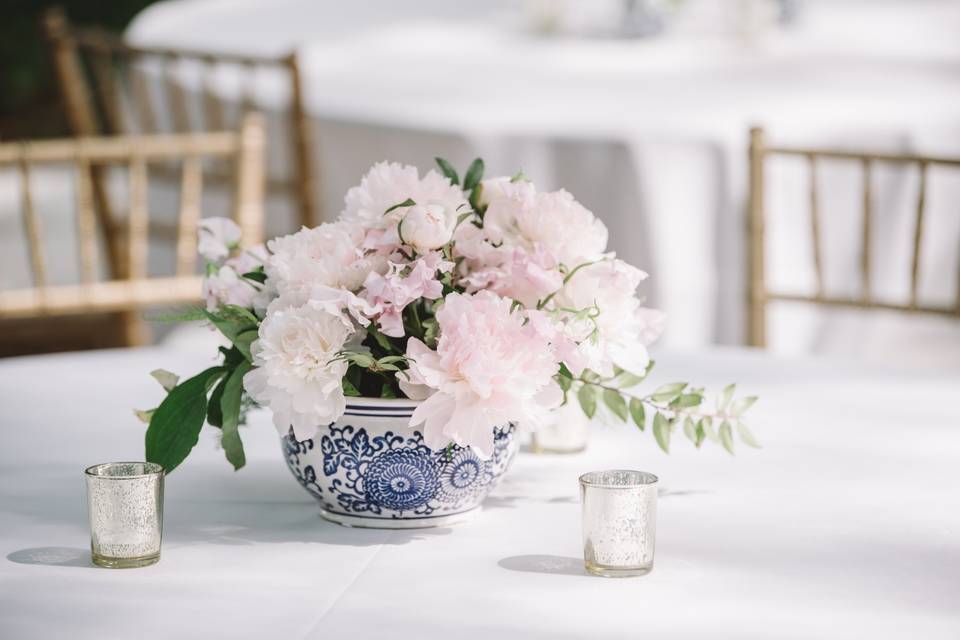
x=843, y=526
x=648, y=133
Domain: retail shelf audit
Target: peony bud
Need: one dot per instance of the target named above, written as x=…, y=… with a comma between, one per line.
x=426, y=227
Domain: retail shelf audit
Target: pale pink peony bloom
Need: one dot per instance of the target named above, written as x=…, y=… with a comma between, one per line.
x=490, y=368
x=553, y=222
x=386, y=185
x=403, y=284
x=297, y=376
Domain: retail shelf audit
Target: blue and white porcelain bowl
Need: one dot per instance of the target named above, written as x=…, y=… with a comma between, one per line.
x=371, y=469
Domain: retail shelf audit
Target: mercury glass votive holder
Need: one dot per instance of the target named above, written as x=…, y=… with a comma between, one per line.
x=125, y=502
x=619, y=522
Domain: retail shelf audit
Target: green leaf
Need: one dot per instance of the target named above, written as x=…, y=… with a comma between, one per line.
x=637, y=413
x=590, y=376
x=364, y=360
x=380, y=339
x=690, y=429
x=746, y=437
x=256, y=276
x=661, y=431
x=709, y=431
x=231, y=327
x=230, y=409
x=615, y=403
x=726, y=436
x=406, y=203
x=214, y=412
x=740, y=406
x=166, y=379
x=565, y=372
x=349, y=389
x=587, y=397
x=725, y=397
x=144, y=416
x=175, y=426
x=462, y=217
x=187, y=314
x=474, y=175
x=667, y=392
x=518, y=176
x=447, y=169
x=564, y=382
x=387, y=391
x=475, y=194
x=243, y=341
x=626, y=380
x=687, y=400
x=700, y=434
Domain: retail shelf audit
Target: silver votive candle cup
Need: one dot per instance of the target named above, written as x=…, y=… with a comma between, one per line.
x=619, y=522
x=125, y=503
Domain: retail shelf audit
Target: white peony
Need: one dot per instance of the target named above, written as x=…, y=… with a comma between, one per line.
x=623, y=327
x=327, y=255
x=388, y=184
x=296, y=375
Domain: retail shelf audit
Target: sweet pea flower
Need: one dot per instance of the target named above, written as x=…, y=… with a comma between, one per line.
x=526, y=277
x=225, y=287
x=216, y=237
x=490, y=368
x=403, y=284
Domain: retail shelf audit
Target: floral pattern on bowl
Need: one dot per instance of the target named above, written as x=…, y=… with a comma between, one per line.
x=368, y=469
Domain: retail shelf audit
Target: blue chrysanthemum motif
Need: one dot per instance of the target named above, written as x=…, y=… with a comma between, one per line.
x=401, y=479
x=393, y=475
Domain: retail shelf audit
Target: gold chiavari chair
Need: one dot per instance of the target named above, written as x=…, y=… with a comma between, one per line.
x=106, y=90
x=123, y=298
x=758, y=292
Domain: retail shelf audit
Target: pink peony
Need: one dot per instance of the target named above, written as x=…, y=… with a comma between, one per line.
x=491, y=367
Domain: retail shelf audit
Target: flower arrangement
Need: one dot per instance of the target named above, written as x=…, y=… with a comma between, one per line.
x=488, y=300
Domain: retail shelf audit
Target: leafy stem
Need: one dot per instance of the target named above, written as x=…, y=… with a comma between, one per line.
x=670, y=405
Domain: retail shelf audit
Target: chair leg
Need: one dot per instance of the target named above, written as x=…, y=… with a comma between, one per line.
x=134, y=331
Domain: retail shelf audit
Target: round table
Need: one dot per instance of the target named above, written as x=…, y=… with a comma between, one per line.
x=649, y=134
x=844, y=525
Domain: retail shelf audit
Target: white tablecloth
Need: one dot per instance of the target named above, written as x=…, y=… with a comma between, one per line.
x=844, y=526
x=650, y=134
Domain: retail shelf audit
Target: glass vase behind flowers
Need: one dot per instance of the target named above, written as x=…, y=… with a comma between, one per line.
x=487, y=304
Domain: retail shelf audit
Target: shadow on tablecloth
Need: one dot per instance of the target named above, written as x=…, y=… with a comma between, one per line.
x=53, y=557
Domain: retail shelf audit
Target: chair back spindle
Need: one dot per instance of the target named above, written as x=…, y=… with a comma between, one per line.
x=137, y=288
x=759, y=294
x=141, y=77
